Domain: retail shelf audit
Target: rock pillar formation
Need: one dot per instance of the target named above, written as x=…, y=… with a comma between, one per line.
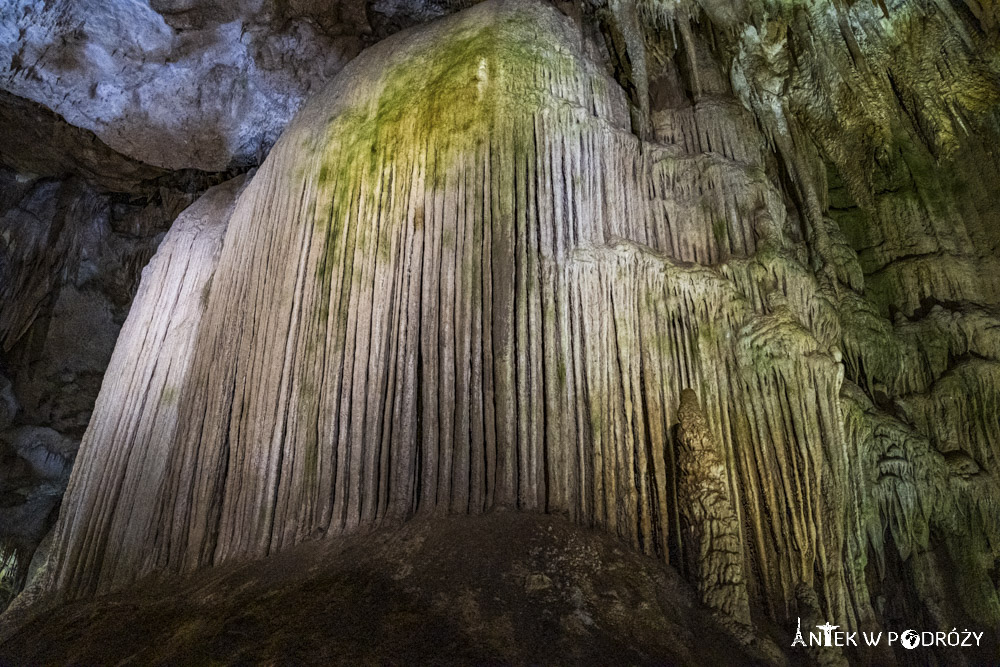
x=714, y=550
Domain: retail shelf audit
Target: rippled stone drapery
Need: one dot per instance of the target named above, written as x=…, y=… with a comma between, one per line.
x=459, y=282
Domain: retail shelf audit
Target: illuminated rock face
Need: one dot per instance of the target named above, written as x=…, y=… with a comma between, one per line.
x=460, y=282
x=174, y=83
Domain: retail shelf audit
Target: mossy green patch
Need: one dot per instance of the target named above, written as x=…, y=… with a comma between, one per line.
x=720, y=232
x=169, y=395
x=708, y=335
x=455, y=96
x=441, y=99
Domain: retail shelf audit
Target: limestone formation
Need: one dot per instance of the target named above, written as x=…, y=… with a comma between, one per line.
x=712, y=536
x=71, y=254
x=174, y=83
x=500, y=256
x=166, y=319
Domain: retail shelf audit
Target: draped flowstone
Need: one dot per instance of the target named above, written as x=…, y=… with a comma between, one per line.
x=460, y=282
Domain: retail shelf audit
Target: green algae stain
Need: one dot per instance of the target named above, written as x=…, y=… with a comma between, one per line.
x=719, y=231
x=325, y=175
x=596, y=421
x=708, y=335
x=438, y=101
x=469, y=94
x=433, y=106
x=169, y=396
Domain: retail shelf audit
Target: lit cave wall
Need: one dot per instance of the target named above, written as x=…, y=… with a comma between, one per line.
x=715, y=281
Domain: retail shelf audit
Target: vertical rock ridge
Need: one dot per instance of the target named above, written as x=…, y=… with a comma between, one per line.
x=109, y=502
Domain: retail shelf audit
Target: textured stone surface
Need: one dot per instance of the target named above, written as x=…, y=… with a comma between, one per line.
x=487, y=263
x=37, y=142
x=460, y=590
x=48, y=454
x=176, y=84
x=70, y=259
x=712, y=537
x=166, y=317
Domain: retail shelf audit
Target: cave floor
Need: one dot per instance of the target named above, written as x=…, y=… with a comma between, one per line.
x=502, y=588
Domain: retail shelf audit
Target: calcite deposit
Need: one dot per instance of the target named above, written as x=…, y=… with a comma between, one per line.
x=718, y=278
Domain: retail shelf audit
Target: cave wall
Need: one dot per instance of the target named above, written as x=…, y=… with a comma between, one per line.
x=70, y=261
x=172, y=83
x=486, y=262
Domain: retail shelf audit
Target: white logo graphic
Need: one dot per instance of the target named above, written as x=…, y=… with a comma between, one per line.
x=827, y=633
x=908, y=639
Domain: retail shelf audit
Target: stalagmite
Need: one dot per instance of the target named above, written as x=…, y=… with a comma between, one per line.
x=713, y=532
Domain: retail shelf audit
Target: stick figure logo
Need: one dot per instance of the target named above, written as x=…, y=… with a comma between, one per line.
x=827, y=633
